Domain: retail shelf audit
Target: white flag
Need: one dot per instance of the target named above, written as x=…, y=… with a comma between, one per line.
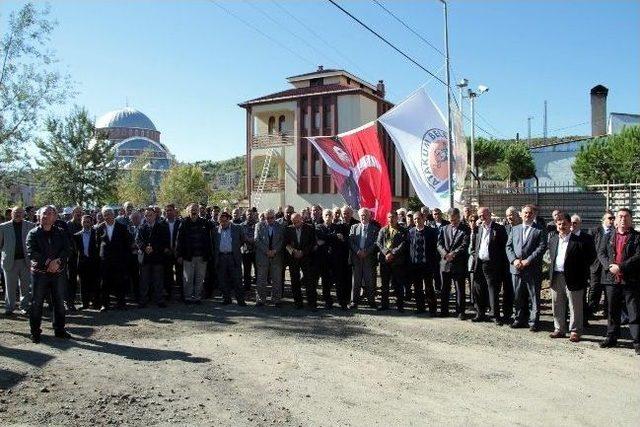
x=419, y=131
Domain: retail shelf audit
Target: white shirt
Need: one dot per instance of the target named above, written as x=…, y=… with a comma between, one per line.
x=483, y=252
x=171, y=226
x=110, y=230
x=563, y=243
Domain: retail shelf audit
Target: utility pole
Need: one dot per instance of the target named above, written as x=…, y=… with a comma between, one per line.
x=472, y=102
x=529, y=129
x=450, y=133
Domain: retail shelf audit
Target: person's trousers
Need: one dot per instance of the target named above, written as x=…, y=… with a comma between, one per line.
x=88, y=279
x=507, y=293
x=302, y=274
x=437, y=276
x=560, y=295
x=133, y=276
x=364, y=276
x=327, y=275
x=619, y=296
x=230, y=277
x=151, y=283
x=422, y=281
x=193, y=278
x=526, y=289
x=43, y=285
x=72, y=282
x=596, y=290
x=265, y=270
x=486, y=286
x=248, y=262
x=343, y=283
x=112, y=282
x=460, y=286
x=392, y=274
x=17, y=277
x=172, y=276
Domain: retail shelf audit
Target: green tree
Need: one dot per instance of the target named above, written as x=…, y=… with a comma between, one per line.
x=29, y=79
x=224, y=198
x=183, y=184
x=614, y=158
x=516, y=163
x=136, y=184
x=75, y=164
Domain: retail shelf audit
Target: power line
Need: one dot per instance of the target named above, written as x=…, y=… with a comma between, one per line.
x=408, y=27
x=259, y=31
x=416, y=63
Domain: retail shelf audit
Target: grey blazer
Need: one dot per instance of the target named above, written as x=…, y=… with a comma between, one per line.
x=532, y=249
x=237, y=239
x=369, y=244
x=8, y=242
x=261, y=235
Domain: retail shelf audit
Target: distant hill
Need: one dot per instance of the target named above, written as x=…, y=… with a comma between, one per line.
x=226, y=174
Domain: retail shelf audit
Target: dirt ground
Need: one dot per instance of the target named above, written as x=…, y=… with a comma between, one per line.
x=230, y=365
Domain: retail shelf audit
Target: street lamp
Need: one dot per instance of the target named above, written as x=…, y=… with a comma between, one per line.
x=472, y=96
x=461, y=85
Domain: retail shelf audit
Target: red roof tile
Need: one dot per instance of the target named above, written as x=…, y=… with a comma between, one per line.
x=298, y=92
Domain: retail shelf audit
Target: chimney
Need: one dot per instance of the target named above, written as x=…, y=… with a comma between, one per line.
x=320, y=68
x=599, y=110
x=380, y=88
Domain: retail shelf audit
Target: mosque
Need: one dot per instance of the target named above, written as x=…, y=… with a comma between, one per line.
x=134, y=134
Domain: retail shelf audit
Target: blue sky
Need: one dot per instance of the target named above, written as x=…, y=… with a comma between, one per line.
x=187, y=64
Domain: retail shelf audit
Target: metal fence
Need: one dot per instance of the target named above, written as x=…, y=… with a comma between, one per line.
x=588, y=202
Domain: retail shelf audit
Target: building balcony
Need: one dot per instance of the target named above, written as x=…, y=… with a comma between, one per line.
x=272, y=140
x=271, y=185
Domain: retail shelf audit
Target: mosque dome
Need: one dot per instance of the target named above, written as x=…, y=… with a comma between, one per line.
x=125, y=118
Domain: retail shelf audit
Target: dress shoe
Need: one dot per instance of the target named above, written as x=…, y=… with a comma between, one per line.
x=63, y=334
x=636, y=347
x=352, y=306
x=479, y=319
x=498, y=321
x=328, y=306
x=444, y=314
x=299, y=306
x=241, y=303
x=104, y=308
x=226, y=301
x=462, y=316
x=420, y=311
x=344, y=306
x=382, y=308
x=518, y=325
x=35, y=338
x=574, y=337
x=85, y=307
x=259, y=304
x=373, y=306
x=534, y=328
x=400, y=309
x=277, y=304
x=609, y=342
x=557, y=334
x=71, y=308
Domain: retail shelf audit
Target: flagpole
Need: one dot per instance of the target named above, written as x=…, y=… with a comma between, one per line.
x=450, y=133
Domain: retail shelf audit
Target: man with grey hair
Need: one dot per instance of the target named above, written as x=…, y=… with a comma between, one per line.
x=269, y=241
x=15, y=260
x=362, y=241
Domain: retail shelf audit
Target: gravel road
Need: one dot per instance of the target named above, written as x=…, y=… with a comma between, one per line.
x=229, y=365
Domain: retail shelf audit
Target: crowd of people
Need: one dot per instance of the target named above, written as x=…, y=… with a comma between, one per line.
x=110, y=257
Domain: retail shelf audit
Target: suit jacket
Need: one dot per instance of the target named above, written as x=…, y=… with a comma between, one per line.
x=497, y=244
x=395, y=246
x=531, y=250
x=630, y=265
x=237, y=239
x=598, y=236
x=8, y=242
x=456, y=241
x=39, y=248
x=188, y=227
x=306, y=244
x=176, y=228
x=114, y=251
x=576, y=261
x=326, y=233
x=443, y=224
x=261, y=236
x=157, y=236
x=430, y=245
x=370, y=241
x=94, y=255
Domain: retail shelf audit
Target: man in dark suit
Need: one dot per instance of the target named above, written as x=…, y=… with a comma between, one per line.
x=391, y=244
x=362, y=244
x=300, y=240
x=73, y=226
x=590, y=247
x=153, y=241
x=490, y=259
x=596, y=287
x=422, y=242
x=227, y=242
x=619, y=255
x=173, y=274
x=269, y=244
x=512, y=218
x=88, y=263
x=438, y=222
x=327, y=242
x=570, y=257
x=114, y=245
x=525, y=249
x=453, y=246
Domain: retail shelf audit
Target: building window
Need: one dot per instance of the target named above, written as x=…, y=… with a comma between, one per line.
x=272, y=125
x=281, y=121
x=316, y=82
x=316, y=118
x=327, y=118
x=303, y=165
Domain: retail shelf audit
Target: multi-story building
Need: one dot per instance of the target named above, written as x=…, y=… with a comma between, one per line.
x=324, y=102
